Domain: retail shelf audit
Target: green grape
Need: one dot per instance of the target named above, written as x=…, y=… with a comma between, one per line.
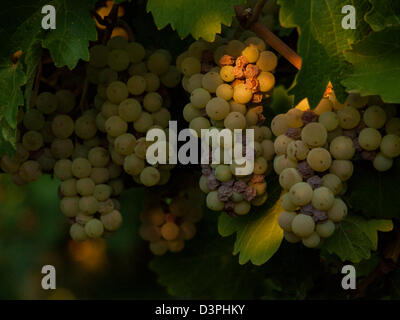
x=342, y=148
x=99, y=157
x=112, y=220
x=281, y=144
x=77, y=232
x=390, y=146
x=102, y=192
x=297, y=150
x=242, y=208
x=30, y=171
x=125, y=144
x=382, y=163
x=268, y=149
x=225, y=91
x=234, y=48
x=281, y=162
x=62, y=148
x=301, y=194
x=260, y=165
x=342, y=168
x=329, y=120
x=85, y=186
x=226, y=73
x=143, y=123
x=129, y=110
x=266, y=81
x=8, y=165
x=85, y=127
x=333, y=183
x=152, y=102
x=322, y=198
x=218, y=53
x=287, y=204
x=118, y=60
x=188, y=230
x=150, y=176
x=256, y=41
x=139, y=68
x=217, y=108
x=117, y=92
x=241, y=94
x=159, y=247
x=133, y=165
x=199, y=98
x=303, y=225
x=190, y=66
x=335, y=133
x=158, y=63
x=47, y=102
x=68, y=188
x=211, y=80
x=136, y=85
x=63, y=169
x=293, y=118
x=356, y=101
x=109, y=109
x=80, y=151
x=223, y=173
x=267, y=61
x=199, y=123
x=314, y=134
x=46, y=160
x=325, y=229
x=349, y=117
x=203, y=184
x=291, y=237
x=251, y=52
x=115, y=126
x=98, y=56
x=338, y=210
x=88, y=204
x=194, y=82
x=279, y=124
x=170, y=231
x=235, y=120
x=171, y=78
x=94, y=228
x=65, y=101
x=161, y=117
x=285, y=220
x=100, y=175
x=393, y=126
x=213, y=202
x=93, y=142
x=136, y=52
x=319, y=159
x=33, y=120
x=375, y=117
x=81, y=168
x=312, y=241
x=117, y=42
x=63, y=126
x=70, y=206
x=289, y=177
x=32, y=141
x=260, y=199
x=107, y=76
x=101, y=123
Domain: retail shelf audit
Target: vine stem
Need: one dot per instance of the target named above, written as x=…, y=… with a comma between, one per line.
x=37, y=83
x=269, y=37
x=256, y=12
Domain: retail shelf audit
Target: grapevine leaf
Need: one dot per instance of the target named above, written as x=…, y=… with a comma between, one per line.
x=69, y=42
x=355, y=237
x=201, y=18
x=322, y=42
x=384, y=13
x=281, y=101
x=376, y=65
x=375, y=193
x=196, y=272
x=258, y=234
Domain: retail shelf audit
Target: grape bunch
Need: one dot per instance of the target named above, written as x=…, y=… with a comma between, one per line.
x=93, y=151
x=168, y=223
x=315, y=151
x=227, y=82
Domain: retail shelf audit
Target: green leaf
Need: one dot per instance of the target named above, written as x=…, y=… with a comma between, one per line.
x=69, y=42
x=281, y=101
x=384, y=13
x=355, y=237
x=373, y=193
x=200, y=18
x=322, y=42
x=376, y=65
x=258, y=234
x=197, y=271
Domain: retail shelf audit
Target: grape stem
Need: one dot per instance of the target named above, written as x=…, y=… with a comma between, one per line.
x=244, y=16
x=256, y=12
x=37, y=83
